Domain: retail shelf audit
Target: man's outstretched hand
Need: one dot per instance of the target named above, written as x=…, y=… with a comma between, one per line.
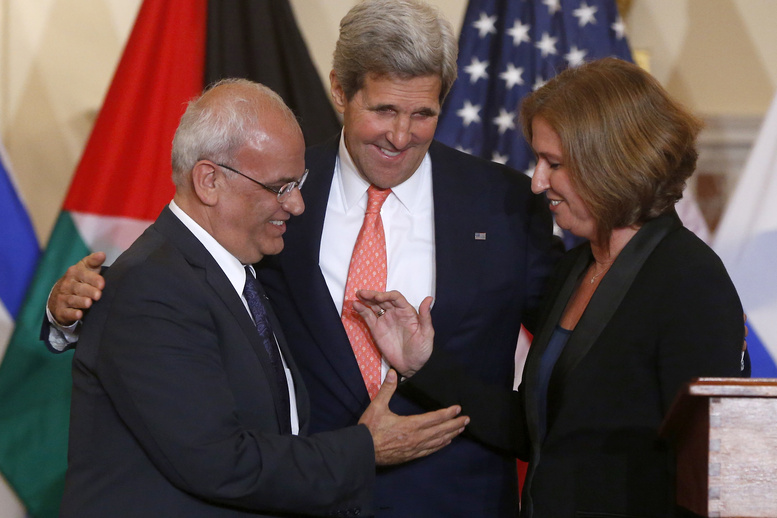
x=398, y=438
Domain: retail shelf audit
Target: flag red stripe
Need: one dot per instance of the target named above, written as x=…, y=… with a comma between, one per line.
x=125, y=168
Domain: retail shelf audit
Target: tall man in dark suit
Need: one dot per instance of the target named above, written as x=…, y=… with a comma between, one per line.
x=187, y=400
x=467, y=231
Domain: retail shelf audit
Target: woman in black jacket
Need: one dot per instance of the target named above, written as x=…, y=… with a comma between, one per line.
x=629, y=317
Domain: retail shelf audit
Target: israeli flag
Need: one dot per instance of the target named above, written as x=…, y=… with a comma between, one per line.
x=19, y=252
x=747, y=242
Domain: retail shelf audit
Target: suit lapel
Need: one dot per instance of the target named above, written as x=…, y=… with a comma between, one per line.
x=201, y=260
x=308, y=288
x=601, y=308
x=456, y=218
x=611, y=291
x=542, y=338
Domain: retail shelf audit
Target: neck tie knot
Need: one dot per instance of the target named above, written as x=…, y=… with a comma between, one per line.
x=375, y=198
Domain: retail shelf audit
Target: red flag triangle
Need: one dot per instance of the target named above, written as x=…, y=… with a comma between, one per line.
x=125, y=169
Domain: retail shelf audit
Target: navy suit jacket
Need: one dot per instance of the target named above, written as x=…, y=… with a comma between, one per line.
x=485, y=286
x=665, y=312
x=174, y=405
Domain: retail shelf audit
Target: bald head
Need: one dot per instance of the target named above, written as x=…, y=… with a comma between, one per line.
x=229, y=115
x=235, y=149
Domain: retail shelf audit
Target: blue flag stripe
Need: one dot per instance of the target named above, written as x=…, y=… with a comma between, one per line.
x=763, y=365
x=19, y=249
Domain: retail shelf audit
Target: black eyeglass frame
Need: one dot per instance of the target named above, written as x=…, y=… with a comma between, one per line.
x=282, y=193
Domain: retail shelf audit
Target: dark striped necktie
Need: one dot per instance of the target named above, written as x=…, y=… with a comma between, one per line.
x=253, y=296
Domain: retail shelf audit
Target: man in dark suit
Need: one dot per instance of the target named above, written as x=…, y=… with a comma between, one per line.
x=187, y=400
x=467, y=231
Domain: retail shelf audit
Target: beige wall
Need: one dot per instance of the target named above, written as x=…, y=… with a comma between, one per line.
x=717, y=56
x=57, y=58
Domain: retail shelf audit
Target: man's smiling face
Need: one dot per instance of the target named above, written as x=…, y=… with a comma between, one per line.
x=389, y=125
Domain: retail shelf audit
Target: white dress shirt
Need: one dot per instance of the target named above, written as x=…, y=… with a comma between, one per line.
x=408, y=223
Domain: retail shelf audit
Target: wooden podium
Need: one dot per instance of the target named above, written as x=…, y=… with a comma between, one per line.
x=724, y=431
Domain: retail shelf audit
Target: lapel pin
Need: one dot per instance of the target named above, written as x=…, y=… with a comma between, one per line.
x=480, y=236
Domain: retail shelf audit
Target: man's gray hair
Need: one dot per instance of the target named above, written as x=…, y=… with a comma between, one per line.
x=215, y=126
x=394, y=38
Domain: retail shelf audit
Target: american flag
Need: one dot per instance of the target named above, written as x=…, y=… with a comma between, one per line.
x=746, y=241
x=507, y=49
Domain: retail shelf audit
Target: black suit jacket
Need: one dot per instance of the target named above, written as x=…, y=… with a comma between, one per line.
x=485, y=289
x=174, y=407
x=666, y=312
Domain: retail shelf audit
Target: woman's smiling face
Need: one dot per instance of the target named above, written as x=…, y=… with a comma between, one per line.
x=551, y=176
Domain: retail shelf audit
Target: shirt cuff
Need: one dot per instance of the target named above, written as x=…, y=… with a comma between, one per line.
x=62, y=336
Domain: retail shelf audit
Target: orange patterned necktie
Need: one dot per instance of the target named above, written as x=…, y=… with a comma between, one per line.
x=367, y=271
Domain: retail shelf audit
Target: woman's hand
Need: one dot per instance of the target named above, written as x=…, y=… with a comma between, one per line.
x=405, y=337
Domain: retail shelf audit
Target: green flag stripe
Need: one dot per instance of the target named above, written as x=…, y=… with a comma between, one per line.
x=35, y=388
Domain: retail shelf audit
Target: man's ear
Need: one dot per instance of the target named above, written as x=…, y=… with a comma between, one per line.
x=206, y=181
x=336, y=89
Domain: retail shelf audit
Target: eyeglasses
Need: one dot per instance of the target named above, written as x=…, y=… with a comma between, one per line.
x=282, y=193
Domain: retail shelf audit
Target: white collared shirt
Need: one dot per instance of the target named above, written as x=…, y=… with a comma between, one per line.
x=408, y=223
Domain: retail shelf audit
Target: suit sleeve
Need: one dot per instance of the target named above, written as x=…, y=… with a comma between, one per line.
x=544, y=252
x=161, y=364
x=46, y=330
x=496, y=414
x=701, y=327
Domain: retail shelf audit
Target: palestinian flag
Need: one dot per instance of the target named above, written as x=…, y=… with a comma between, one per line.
x=123, y=182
